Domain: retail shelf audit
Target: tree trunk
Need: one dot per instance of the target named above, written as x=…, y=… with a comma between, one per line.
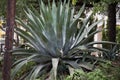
x=7, y=63
x=112, y=22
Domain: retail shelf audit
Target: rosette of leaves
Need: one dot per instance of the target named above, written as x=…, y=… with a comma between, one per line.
x=53, y=39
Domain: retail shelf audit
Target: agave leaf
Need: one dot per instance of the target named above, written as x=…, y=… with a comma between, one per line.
x=27, y=37
x=30, y=73
x=115, y=47
x=18, y=61
x=24, y=75
x=34, y=29
x=71, y=70
x=31, y=17
x=42, y=60
x=86, y=65
x=54, y=17
x=80, y=11
x=67, y=47
x=14, y=51
x=32, y=41
x=100, y=49
x=95, y=58
x=73, y=64
x=85, y=40
x=17, y=68
x=74, y=22
x=82, y=47
x=42, y=10
x=35, y=72
x=86, y=31
x=23, y=53
x=55, y=62
x=27, y=59
x=64, y=26
x=101, y=42
x=82, y=28
x=32, y=56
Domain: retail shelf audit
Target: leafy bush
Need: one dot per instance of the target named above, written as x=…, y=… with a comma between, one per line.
x=97, y=74
x=110, y=69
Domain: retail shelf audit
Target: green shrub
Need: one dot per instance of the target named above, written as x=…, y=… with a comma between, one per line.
x=97, y=74
x=110, y=69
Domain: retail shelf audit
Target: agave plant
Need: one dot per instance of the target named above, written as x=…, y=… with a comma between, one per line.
x=53, y=39
x=108, y=53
